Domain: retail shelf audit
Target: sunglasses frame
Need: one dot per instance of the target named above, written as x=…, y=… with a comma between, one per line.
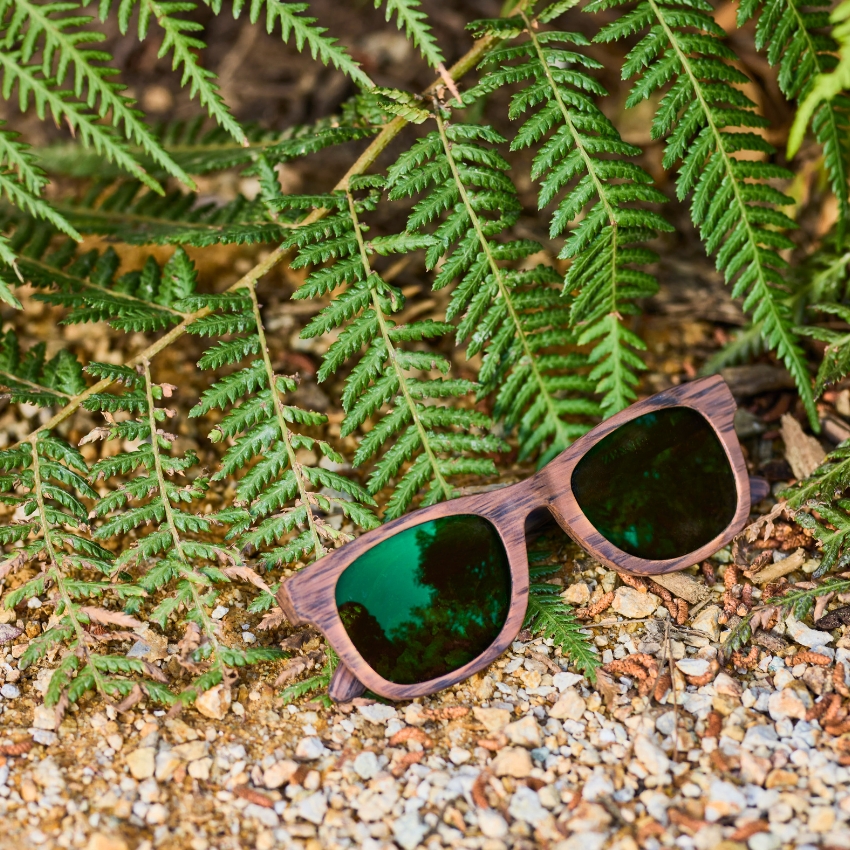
x=309, y=596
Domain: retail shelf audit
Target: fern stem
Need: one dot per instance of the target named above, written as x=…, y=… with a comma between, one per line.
x=448, y=492
x=56, y=573
x=33, y=385
x=500, y=282
x=465, y=64
x=761, y=280
x=82, y=283
x=294, y=465
x=209, y=627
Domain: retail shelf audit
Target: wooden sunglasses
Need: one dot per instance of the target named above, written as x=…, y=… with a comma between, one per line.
x=310, y=596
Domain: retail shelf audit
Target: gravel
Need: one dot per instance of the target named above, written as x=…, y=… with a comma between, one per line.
x=524, y=755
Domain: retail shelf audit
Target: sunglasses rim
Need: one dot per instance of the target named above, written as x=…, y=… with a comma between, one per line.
x=310, y=595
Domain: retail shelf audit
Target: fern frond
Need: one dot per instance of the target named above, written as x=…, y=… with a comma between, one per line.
x=581, y=155
x=791, y=35
x=518, y=318
x=182, y=45
x=548, y=615
x=264, y=445
x=413, y=20
x=704, y=116
x=49, y=490
x=829, y=481
x=35, y=86
x=292, y=23
x=64, y=41
x=29, y=378
x=423, y=442
x=87, y=284
x=828, y=85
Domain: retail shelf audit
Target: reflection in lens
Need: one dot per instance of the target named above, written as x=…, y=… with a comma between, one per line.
x=659, y=486
x=427, y=600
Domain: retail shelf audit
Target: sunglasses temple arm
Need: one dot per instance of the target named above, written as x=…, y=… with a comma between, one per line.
x=344, y=685
x=759, y=489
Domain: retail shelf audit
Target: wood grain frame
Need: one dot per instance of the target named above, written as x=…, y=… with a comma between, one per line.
x=309, y=596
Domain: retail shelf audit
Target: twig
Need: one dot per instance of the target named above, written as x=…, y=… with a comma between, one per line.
x=672, y=692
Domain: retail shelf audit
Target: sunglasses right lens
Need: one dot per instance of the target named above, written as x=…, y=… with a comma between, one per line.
x=427, y=600
x=659, y=486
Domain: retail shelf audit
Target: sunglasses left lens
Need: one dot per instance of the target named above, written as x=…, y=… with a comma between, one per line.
x=427, y=600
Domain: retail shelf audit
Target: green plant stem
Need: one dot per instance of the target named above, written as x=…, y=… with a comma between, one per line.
x=466, y=63
x=294, y=465
x=33, y=385
x=56, y=573
x=385, y=335
x=500, y=281
x=209, y=627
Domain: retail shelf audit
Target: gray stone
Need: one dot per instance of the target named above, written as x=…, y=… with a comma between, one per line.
x=525, y=805
x=583, y=841
x=377, y=713
x=570, y=706
x=492, y=824
x=409, y=830
x=512, y=761
x=215, y=702
x=142, y=762
x=492, y=719
x=724, y=800
x=633, y=604
x=577, y=594
x=525, y=732
x=366, y=765
x=10, y=691
x=787, y=703
x=764, y=841
x=458, y=755
x=166, y=764
x=8, y=633
x=651, y=756
x=562, y=681
x=44, y=718
x=693, y=666
x=599, y=785
x=262, y=814
x=760, y=736
x=313, y=808
x=800, y=633
x=309, y=748
x=707, y=621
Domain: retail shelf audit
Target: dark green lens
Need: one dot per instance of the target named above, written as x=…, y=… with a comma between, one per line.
x=427, y=600
x=659, y=486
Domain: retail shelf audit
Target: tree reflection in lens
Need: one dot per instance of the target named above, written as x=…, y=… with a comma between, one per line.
x=659, y=486
x=427, y=600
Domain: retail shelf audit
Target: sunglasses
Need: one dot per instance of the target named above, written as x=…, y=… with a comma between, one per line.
x=433, y=597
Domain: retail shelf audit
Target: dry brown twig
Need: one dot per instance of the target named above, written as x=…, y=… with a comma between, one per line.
x=411, y=733
x=595, y=608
